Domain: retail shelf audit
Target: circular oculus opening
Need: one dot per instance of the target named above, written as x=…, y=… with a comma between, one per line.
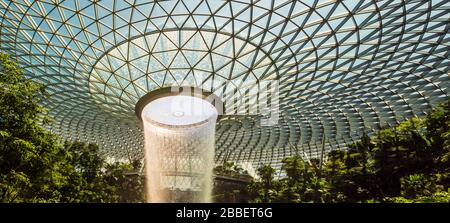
x=178, y=110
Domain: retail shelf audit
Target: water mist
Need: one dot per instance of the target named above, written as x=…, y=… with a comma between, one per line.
x=179, y=149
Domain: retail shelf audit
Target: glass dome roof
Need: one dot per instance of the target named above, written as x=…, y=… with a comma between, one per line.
x=343, y=67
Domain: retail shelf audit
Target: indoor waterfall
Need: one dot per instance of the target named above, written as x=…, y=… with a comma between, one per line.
x=179, y=149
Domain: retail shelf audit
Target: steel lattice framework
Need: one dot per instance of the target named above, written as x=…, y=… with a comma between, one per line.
x=344, y=67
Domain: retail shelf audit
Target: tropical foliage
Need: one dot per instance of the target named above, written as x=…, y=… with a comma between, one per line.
x=406, y=163
x=36, y=166
x=230, y=184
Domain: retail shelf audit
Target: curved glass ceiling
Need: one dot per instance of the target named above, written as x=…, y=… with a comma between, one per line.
x=183, y=57
x=343, y=67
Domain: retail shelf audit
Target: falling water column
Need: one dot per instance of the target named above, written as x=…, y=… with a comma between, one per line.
x=179, y=149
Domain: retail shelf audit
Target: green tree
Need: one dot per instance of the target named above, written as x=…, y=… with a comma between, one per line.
x=409, y=162
x=36, y=167
x=266, y=188
x=33, y=164
x=234, y=188
x=437, y=124
x=125, y=182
